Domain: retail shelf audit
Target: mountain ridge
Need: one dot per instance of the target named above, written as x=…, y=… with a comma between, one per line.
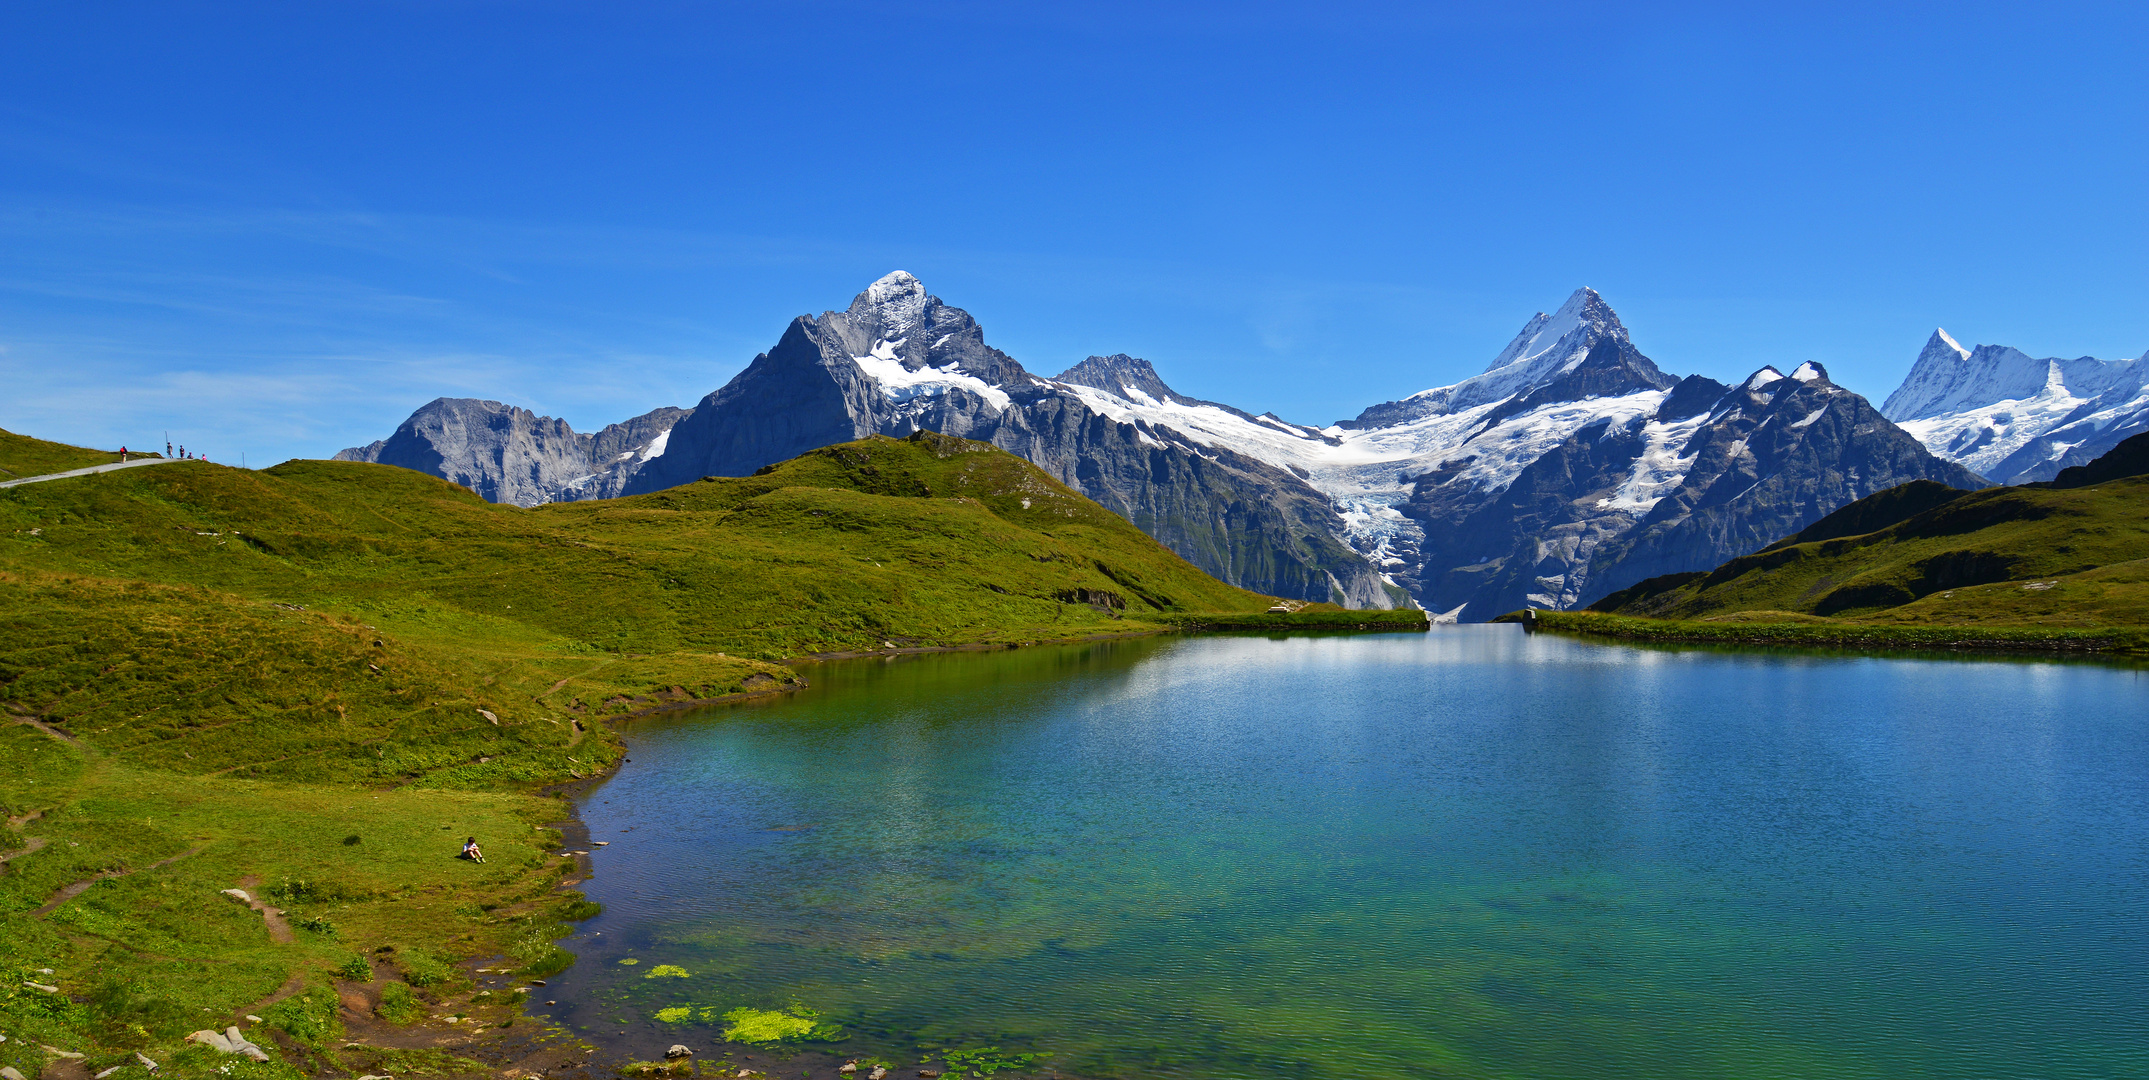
x=2014, y=418
x=1569, y=467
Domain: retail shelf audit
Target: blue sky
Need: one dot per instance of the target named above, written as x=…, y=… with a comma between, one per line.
x=276, y=229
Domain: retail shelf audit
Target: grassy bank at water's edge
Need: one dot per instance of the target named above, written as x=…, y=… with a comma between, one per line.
x=1789, y=629
x=312, y=681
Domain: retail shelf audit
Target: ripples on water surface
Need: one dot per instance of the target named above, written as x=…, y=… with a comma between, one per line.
x=1469, y=853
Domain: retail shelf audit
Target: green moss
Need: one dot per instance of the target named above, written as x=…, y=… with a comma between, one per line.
x=399, y=1005
x=309, y=1018
x=421, y=968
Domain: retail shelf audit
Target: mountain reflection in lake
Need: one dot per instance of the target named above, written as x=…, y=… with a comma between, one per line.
x=1472, y=852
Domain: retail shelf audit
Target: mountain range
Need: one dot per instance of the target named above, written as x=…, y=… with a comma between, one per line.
x=511, y=455
x=1571, y=467
x=2014, y=419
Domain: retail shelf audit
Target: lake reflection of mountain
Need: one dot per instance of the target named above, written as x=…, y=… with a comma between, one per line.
x=1469, y=853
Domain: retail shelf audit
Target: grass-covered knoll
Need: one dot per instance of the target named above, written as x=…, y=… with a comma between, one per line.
x=21, y=455
x=2050, y=557
x=2060, y=565
x=321, y=677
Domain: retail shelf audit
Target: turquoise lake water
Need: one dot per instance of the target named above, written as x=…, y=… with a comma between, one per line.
x=1472, y=852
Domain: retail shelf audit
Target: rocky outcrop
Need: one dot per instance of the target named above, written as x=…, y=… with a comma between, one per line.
x=511, y=455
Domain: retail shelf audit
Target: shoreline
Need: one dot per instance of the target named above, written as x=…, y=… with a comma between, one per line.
x=2103, y=642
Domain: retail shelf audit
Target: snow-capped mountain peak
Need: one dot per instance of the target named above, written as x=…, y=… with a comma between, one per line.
x=1946, y=378
x=1126, y=376
x=1549, y=347
x=2014, y=418
x=1584, y=312
x=1811, y=371
x=890, y=308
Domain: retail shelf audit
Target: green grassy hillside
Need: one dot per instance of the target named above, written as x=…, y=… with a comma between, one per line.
x=22, y=456
x=2003, y=555
x=2063, y=563
x=220, y=676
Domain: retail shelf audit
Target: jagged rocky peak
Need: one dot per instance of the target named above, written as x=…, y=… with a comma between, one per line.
x=890, y=310
x=2015, y=418
x=895, y=320
x=1549, y=348
x=1578, y=325
x=1949, y=378
x=512, y=455
x=1122, y=375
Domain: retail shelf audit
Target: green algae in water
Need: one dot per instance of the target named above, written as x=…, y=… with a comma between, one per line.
x=750, y=1025
x=678, y=1014
x=667, y=971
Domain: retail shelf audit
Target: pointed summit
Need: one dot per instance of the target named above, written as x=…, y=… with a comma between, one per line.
x=1942, y=347
x=890, y=308
x=1584, y=312
x=1119, y=374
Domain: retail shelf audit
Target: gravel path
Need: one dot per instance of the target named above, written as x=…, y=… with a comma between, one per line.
x=135, y=464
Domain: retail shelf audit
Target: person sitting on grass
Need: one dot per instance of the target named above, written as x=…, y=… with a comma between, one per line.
x=471, y=852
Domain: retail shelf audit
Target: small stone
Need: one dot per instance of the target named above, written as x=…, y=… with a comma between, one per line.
x=41, y=986
x=108, y=1072
x=880, y=1072
x=214, y=1040
x=8, y=1071
x=848, y=1068
x=678, y=1051
x=146, y=1063
x=252, y=1019
x=239, y=895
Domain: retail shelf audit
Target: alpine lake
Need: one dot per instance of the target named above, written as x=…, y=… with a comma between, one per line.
x=1473, y=852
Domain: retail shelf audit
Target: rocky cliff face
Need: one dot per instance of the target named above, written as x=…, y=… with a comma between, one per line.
x=511, y=455
x=2014, y=419
x=898, y=360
